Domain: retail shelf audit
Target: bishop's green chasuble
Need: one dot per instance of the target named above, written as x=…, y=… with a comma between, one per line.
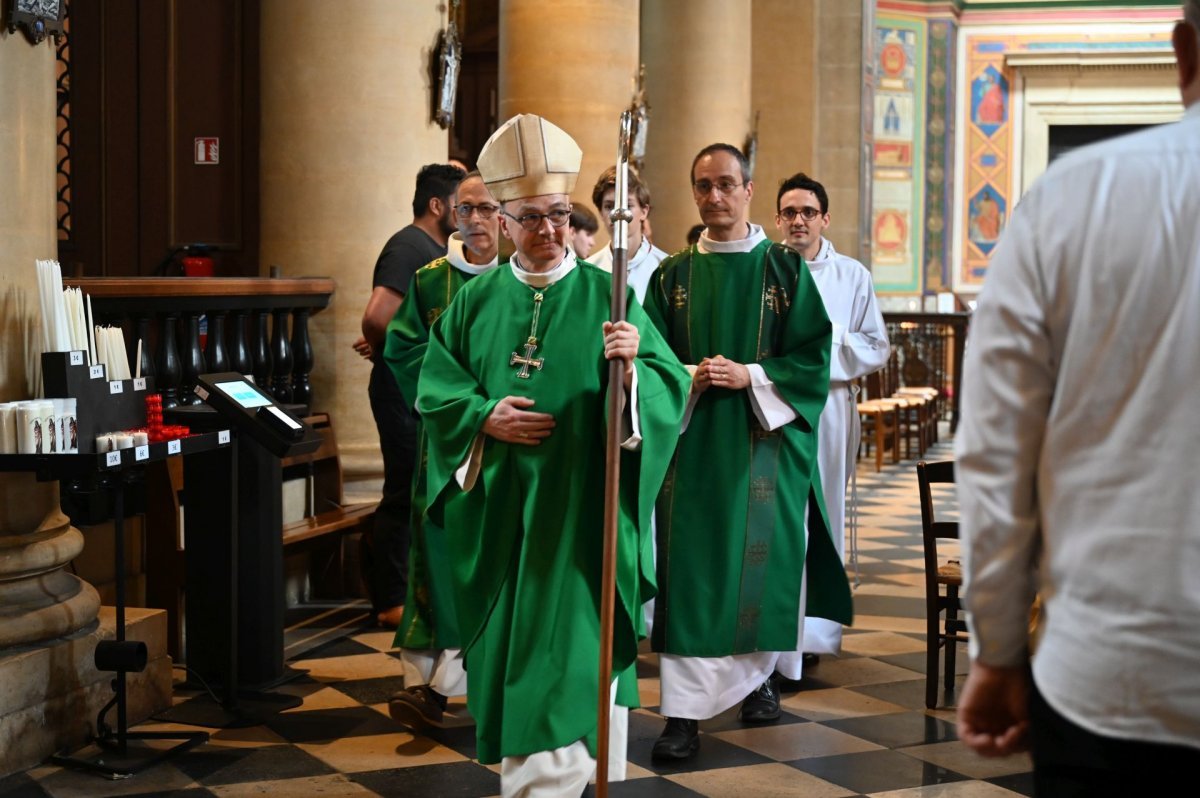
x=525, y=537
x=731, y=542
x=429, y=620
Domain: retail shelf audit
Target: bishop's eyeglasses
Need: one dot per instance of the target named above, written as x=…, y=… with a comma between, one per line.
x=726, y=186
x=532, y=221
x=485, y=211
x=807, y=214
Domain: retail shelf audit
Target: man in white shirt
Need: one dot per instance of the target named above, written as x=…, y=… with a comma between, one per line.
x=1076, y=466
x=644, y=257
x=860, y=346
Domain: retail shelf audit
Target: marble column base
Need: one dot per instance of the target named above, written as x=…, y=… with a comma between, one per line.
x=39, y=598
x=50, y=693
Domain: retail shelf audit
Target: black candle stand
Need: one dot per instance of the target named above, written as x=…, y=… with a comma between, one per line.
x=103, y=406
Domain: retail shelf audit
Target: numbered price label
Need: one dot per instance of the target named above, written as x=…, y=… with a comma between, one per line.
x=96, y=372
x=141, y=453
x=139, y=384
x=116, y=386
x=173, y=447
x=77, y=358
x=223, y=437
x=112, y=459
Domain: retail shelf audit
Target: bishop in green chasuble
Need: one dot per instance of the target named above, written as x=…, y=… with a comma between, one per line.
x=524, y=523
x=733, y=550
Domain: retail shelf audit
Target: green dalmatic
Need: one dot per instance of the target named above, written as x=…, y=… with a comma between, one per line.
x=429, y=620
x=731, y=517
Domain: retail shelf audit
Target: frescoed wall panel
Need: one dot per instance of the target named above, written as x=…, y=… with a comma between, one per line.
x=939, y=153
x=897, y=154
x=988, y=90
x=988, y=155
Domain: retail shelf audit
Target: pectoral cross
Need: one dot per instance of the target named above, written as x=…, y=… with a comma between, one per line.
x=527, y=359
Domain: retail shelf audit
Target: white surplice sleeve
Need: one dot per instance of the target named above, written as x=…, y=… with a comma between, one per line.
x=861, y=347
x=468, y=472
x=1008, y=384
x=770, y=408
x=631, y=427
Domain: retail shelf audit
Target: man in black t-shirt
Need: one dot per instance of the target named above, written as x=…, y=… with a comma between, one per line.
x=408, y=250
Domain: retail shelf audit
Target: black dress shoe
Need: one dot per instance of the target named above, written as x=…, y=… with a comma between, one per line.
x=679, y=740
x=418, y=707
x=810, y=659
x=762, y=706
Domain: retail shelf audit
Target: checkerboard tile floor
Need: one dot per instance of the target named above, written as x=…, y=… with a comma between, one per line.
x=855, y=725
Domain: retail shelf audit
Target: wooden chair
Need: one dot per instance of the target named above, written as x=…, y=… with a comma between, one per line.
x=916, y=409
x=942, y=583
x=907, y=412
x=879, y=427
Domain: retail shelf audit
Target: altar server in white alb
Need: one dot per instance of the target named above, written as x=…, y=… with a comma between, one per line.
x=860, y=347
x=644, y=257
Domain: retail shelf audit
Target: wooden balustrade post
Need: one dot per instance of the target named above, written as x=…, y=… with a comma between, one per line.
x=261, y=344
x=170, y=370
x=239, y=354
x=216, y=356
x=302, y=353
x=193, y=361
x=281, y=350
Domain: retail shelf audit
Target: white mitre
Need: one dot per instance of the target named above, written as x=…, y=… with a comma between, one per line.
x=528, y=157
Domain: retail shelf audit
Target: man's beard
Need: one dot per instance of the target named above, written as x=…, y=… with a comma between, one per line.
x=446, y=222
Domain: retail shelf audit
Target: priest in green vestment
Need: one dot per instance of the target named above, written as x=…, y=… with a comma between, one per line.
x=428, y=639
x=741, y=522
x=513, y=396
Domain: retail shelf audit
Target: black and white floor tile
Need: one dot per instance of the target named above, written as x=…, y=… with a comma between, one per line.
x=855, y=725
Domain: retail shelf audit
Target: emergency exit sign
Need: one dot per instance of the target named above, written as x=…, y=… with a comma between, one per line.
x=208, y=150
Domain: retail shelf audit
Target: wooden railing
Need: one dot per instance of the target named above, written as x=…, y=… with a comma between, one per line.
x=930, y=349
x=247, y=328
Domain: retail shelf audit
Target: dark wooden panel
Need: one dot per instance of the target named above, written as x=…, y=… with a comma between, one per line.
x=154, y=82
x=120, y=137
x=205, y=100
x=146, y=79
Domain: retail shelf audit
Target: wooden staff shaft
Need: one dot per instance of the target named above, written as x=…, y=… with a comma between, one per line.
x=612, y=464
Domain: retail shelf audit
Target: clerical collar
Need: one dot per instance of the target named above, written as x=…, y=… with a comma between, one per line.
x=707, y=246
x=456, y=254
x=543, y=279
x=825, y=255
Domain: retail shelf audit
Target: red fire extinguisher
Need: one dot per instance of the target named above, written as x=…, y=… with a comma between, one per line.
x=198, y=266
x=196, y=261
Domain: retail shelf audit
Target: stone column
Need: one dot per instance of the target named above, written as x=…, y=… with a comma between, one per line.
x=39, y=600
x=784, y=98
x=838, y=155
x=574, y=62
x=698, y=68
x=346, y=125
